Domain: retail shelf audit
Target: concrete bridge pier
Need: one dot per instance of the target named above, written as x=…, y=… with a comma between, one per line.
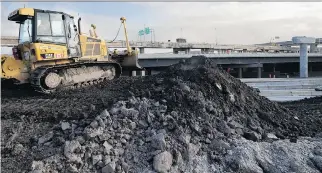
x=240, y=72
x=313, y=48
x=207, y=50
x=303, y=42
x=138, y=73
x=259, y=72
x=133, y=73
x=176, y=50
x=141, y=50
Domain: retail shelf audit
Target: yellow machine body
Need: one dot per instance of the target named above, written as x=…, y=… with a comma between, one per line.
x=12, y=69
x=49, y=64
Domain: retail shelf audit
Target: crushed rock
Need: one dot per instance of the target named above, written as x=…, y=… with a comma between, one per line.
x=192, y=118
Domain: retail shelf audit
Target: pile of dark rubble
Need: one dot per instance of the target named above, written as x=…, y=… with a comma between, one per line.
x=191, y=118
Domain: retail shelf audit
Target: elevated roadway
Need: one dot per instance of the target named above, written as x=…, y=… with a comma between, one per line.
x=10, y=41
x=163, y=60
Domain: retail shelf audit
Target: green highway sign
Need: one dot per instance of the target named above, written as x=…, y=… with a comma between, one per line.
x=147, y=30
x=141, y=32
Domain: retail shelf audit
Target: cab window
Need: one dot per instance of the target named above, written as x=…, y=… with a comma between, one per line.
x=57, y=25
x=25, y=31
x=50, y=28
x=43, y=24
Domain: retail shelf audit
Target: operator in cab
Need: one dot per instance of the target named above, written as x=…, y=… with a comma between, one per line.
x=44, y=27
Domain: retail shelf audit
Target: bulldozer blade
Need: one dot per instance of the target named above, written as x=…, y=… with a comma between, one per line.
x=131, y=63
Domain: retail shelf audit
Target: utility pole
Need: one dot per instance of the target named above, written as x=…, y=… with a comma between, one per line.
x=181, y=32
x=151, y=31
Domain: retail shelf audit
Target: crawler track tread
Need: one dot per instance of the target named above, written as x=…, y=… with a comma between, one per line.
x=36, y=76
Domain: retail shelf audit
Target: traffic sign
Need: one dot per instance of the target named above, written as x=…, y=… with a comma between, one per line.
x=147, y=30
x=141, y=32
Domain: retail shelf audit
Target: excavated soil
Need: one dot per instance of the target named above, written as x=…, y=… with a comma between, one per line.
x=192, y=107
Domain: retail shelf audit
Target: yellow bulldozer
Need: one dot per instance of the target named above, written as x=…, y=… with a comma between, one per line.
x=53, y=53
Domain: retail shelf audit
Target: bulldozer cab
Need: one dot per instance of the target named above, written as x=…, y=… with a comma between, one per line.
x=53, y=30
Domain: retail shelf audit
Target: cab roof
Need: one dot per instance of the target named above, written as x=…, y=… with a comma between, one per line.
x=22, y=13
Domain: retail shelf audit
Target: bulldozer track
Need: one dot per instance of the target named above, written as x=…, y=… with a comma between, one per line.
x=40, y=72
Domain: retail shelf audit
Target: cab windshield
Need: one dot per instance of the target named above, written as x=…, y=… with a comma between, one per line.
x=25, y=31
x=50, y=28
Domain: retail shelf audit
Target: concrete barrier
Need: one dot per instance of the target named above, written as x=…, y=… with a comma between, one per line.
x=287, y=98
x=286, y=89
x=299, y=92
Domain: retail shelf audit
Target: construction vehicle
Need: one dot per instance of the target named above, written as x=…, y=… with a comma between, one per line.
x=53, y=53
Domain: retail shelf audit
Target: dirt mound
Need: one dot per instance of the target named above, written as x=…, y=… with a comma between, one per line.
x=189, y=118
x=309, y=112
x=200, y=91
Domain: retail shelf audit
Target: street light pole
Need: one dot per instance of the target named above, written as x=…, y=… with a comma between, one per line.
x=144, y=33
x=151, y=32
x=154, y=34
x=216, y=35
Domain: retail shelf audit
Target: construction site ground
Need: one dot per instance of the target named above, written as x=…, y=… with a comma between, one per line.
x=235, y=130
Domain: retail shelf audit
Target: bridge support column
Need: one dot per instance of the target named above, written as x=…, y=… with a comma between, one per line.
x=313, y=48
x=240, y=72
x=139, y=73
x=175, y=51
x=303, y=61
x=133, y=73
x=303, y=41
x=141, y=50
x=274, y=69
x=259, y=72
x=204, y=51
